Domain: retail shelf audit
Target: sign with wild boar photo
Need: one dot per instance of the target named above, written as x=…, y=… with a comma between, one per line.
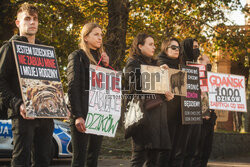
x=104, y=101
x=227, y=92
x=158, y=80
x=191, y=104
x=39, y=79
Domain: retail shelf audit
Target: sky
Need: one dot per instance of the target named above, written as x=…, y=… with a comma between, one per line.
x=238, y=16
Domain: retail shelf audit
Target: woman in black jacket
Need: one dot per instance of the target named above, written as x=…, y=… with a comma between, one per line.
x=150, y=135
x=78, y=81
x=170, y=55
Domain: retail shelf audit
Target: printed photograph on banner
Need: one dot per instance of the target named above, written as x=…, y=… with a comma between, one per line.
x=227, y=92
x=39, y=79
x=43, y=98
x=158, y=80
x=104, y=101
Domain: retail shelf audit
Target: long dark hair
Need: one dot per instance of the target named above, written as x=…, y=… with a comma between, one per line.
x=140, y=39
x=166, y=43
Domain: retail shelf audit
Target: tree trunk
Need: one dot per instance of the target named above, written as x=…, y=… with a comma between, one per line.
x=7, y=20
x=115, y=41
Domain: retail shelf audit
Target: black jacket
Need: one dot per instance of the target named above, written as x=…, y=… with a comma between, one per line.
x=174, y=105
x=78, y=82
x=152, y=130
x=10, y=93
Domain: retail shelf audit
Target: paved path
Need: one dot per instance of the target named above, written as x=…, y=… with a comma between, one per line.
x=232, y=162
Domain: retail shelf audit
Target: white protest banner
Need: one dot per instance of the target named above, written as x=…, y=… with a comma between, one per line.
x=104, y=101
x=226, y=92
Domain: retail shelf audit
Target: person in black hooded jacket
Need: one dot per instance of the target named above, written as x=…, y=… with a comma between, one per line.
x=27, y=132
x=90, y=52
x=150, y=135
x=190, y=52
x=170, y=55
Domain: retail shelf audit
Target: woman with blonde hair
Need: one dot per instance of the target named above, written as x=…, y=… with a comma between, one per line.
x=90, y=52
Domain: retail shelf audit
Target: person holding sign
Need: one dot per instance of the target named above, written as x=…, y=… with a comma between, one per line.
x=191, y=52
x=209, y=119
x=26, y=131
x=170, y=56
x=79, y=61
x=150, y=133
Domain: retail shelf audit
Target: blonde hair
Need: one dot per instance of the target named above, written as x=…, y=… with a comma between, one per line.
x=86, y=30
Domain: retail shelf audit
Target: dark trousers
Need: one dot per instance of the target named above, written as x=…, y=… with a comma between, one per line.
x=164, y=158
x=143, y=157
x=35, y=133
x=85, y=145
x=193, y=147
x=207, y=134
x=178, y=134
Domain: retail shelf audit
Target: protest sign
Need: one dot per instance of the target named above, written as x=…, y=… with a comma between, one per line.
x=39, y=79
x=104, y=101
x=203, y=86
x=227, y=92
x=202, y=74
x=191, y=104
x=159, y=80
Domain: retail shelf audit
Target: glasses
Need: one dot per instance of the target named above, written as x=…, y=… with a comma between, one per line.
x=174, y=47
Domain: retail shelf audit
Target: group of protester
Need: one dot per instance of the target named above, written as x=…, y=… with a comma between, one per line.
x=159, y=140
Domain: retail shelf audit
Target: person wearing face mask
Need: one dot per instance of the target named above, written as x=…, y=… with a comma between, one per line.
x=209, y=119
x=150, y=135
x=90, y=52
x=171, y=57
x=190, y=52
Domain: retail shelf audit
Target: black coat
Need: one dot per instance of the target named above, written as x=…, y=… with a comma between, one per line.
x=10, y=92
x=174, y=105
x=152, y=132
x=78, y=82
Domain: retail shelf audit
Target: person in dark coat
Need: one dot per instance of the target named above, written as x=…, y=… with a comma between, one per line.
x=150, y=135
x=79, y=61
x=170, y=55
x=190, y=52
x=209, y=119
x=27, y=132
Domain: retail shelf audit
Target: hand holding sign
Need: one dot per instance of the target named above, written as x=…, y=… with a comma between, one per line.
x=169, y=96
x=23, y=112
x=105, y=59
x=80, y=124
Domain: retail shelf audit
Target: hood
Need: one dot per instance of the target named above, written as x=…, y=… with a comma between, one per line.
x=187, y=49
x=22, y=38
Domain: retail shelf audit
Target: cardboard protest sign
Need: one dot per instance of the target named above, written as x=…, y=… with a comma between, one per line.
x=39, y=79
x=158, y=80
x=191, y=104
x=203, y=86
x=227, y=92
x=104, y=101
x=202, y=74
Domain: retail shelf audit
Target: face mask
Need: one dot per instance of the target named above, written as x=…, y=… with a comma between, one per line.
x=196, y=53
x=209, y=67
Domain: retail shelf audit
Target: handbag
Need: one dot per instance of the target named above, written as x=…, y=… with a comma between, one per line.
x=153, y=102
x=133, y=117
